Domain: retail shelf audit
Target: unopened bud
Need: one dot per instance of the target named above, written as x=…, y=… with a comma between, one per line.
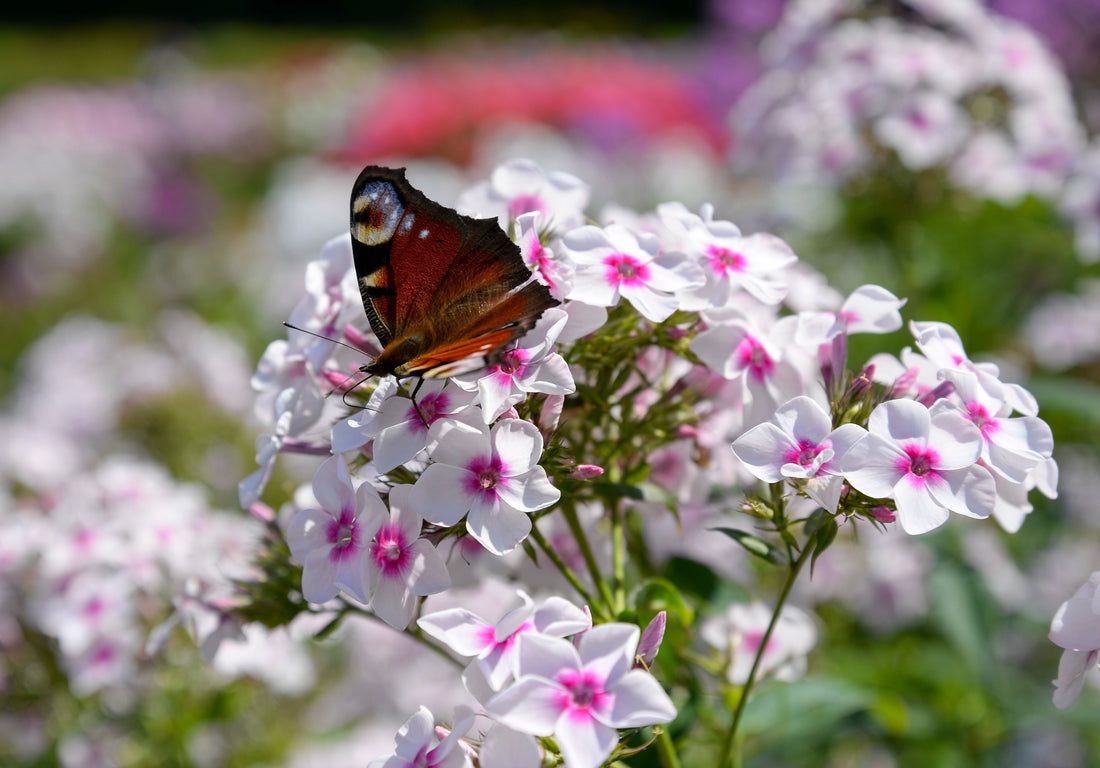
x=650, y=642
x=883, y=514
x=586, y=472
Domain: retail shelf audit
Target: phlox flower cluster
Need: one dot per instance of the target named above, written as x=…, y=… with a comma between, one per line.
x=951, y=85
x=678, y=336
x=81, y=160
x=88, y=565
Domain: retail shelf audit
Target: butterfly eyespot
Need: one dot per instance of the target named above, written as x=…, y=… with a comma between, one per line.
x=424, y=233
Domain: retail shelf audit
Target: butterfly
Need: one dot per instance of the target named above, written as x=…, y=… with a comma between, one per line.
x=444, y=293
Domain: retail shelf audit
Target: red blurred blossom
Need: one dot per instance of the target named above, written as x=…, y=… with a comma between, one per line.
x=439, y=105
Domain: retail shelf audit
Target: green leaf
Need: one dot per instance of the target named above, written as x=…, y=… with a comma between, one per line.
x=792, y=711
x=662, y=595
x=822, y=529
x=753, y=544
x=954, y=607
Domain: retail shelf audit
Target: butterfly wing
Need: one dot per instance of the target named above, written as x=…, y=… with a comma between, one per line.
x=444, y=293
x=399, y=238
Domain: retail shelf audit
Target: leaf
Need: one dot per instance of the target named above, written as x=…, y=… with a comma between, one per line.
x=753, y=544
x=955, y=611
x=662, y=595
x=821, y=528
x=794, y=711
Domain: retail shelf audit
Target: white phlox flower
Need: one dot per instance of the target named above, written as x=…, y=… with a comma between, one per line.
x=924, y=459
x=489, y=476
x=1076, y=628
x=799, y=444
x=493, y=645
x=613, y=262
x=740, y=631
x=581, y=695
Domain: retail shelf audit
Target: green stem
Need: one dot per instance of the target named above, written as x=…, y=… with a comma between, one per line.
x=618, y=559
x=564, y=569
x=577, y=530
x=666, y=750
x=730, y=756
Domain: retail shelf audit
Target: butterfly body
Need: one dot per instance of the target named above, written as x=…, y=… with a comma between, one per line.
x=444, y=293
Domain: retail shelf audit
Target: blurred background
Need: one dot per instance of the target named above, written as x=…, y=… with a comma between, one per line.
x=165, y=177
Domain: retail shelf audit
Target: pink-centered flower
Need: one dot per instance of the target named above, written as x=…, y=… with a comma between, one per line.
x=924, y=459
x=799, y=444
x=553, y=272
x=491, y=477
x=581, y=695
x=531, y=365
x=493, y=645
x=398, y=425
x=332, y=541
x=730, y=261
x=400, y=567
x=521, y=186
x=415, y=744
x=740, y=631
x=613, y=262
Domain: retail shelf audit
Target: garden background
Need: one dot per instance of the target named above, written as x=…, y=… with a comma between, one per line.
x=165, y=181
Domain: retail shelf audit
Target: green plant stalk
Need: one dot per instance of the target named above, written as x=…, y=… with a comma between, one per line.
x=577, y=530
x=618, y=559
x=564, y=569
x=730, y=756
x=666, y=750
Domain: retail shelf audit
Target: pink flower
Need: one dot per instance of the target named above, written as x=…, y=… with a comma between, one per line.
x=413, y=743
x=614, y=263
x=581, y=695
x=741, y=630
x=923, y=459
x=521, y=186
x=799, y=443
x=491, y=477
x=332, y=542
x=531, y=365
x=493, y=646
x=401, y=567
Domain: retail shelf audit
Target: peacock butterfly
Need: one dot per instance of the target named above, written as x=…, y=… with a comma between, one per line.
x=444, y=293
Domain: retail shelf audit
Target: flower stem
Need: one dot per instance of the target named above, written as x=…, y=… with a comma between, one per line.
x=565, y=570
x=618, y=559
x=570, y=513
x=666, y=750
x=730, y=756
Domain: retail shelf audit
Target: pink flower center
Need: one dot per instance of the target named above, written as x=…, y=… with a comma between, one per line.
x=752, y=356
x=512, y=362
x=803, y=454
x=485, y=475
x=724, y=261
x=919, y=464
x=94, y=607
x=751, y=640
x=390, y=550
x=431, y=407
x=343, y=534
x=585, y=693
x=982, y=419
x=624, y=269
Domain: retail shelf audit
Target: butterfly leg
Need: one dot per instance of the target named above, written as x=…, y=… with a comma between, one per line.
x=419, y=384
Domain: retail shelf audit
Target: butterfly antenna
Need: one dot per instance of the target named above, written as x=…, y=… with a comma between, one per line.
x=326, y=338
